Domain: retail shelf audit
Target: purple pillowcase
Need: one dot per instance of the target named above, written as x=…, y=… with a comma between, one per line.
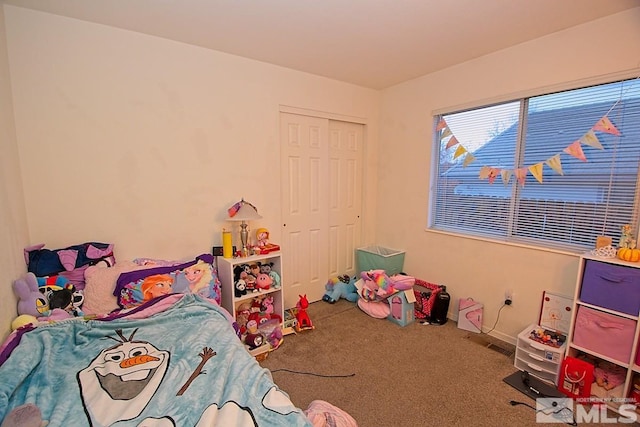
x=198, y=276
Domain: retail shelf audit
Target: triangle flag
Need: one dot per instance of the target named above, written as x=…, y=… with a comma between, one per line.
x=445, y=134
x=536, y=171
x=575, y=150
x=605, y=125
x=484, y=172
x=493, y=173
x=591, y=139
x=506, y=176
x=555, y=163
x=453, y=141
x=441, y=125
x=459, y=151
x=521, y=175
x=469, y=158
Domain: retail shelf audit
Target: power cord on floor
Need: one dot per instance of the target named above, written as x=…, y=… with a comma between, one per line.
x=313, y=373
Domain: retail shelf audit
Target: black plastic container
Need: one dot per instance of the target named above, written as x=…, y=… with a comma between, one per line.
x=440, y=307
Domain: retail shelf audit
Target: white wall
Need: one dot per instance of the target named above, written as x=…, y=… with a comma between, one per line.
x=472, y=268
x=13, y=223
x=145, y=142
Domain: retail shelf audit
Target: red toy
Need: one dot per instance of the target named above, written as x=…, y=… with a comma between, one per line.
x=304, y=322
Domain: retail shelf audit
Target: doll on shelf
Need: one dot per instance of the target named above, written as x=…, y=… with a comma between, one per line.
x=262, y=236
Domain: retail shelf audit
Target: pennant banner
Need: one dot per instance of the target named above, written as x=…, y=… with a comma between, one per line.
x=469, y=158
x=592, y=140
x=575, y=150
x=536, y=171
x=605, y=125
x=554, y=162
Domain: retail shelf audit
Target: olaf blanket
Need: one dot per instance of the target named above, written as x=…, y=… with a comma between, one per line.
x=174, y=362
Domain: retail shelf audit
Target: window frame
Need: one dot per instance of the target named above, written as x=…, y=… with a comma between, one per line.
x=515, y=198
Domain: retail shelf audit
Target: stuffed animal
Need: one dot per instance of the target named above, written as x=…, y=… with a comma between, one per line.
x=240, y=288
x=302, y=317
x=30, y=300
x=377, y=282
x=267, y=268
x=341, y=287
x=263, y=281
x=23, y=320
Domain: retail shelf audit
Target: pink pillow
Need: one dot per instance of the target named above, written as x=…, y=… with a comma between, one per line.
x=100, y=283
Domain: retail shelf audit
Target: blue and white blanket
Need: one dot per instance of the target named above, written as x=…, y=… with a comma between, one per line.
x=183, y=365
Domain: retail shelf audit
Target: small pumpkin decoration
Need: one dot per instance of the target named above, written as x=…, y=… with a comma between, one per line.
x=628, y=250
x=629, y=254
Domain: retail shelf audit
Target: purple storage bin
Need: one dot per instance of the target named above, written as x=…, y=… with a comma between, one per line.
x=612, y=286
x=604, y=333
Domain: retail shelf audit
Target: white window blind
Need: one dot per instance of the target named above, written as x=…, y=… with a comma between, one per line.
x=544, y=171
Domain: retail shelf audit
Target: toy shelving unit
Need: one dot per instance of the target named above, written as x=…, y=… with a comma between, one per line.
x=604, y=324
x=230, y=302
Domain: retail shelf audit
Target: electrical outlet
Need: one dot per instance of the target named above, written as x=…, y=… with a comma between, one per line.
x=508, y=297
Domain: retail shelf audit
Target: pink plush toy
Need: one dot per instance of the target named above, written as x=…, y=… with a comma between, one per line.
x=263, y=281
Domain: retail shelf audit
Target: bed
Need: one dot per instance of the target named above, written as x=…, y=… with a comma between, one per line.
x=132, y=359
x=173, y=361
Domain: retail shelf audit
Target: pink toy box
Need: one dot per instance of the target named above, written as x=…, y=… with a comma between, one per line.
x=604, y=333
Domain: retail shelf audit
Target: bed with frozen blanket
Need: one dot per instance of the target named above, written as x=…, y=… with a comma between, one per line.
x=173, y=361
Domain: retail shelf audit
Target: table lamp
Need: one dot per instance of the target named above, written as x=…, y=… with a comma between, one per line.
x=243, y=211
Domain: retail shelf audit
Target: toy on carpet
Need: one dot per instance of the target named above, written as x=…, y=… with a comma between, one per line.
x=340, y=287
x=27, y=415
x=302, y=317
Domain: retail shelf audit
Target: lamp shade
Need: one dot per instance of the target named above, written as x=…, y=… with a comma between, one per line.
x=245, y=212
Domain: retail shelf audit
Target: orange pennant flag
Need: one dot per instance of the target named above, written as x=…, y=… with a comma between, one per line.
x=452, y=141
x=459, y=151
x=536, y=171
x=469, y=158
x=521, y=175
x=555, y=164
x=506, y=176
x=591, y=139
x=441, y=125
x=493, y=173
x=484, y=172
x=605, y=125
x=575, y=149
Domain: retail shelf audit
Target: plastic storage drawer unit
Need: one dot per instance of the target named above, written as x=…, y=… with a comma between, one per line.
x=611, y=286
x=604, y=333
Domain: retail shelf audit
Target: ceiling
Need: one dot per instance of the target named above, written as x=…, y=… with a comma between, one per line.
x=371, y=43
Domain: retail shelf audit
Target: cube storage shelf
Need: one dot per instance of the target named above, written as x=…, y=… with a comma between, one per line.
x=605, y=321
x=226, y=268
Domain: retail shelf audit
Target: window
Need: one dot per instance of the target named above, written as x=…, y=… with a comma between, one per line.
x=544, y=171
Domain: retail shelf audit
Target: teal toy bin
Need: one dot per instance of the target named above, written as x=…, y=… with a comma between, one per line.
x=379, y=258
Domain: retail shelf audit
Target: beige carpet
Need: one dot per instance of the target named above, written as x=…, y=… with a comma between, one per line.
x=417, y=375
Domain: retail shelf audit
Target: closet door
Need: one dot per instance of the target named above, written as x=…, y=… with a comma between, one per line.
x=321, y=202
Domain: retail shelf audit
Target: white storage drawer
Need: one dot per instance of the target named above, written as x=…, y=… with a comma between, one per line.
x=542, y=361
